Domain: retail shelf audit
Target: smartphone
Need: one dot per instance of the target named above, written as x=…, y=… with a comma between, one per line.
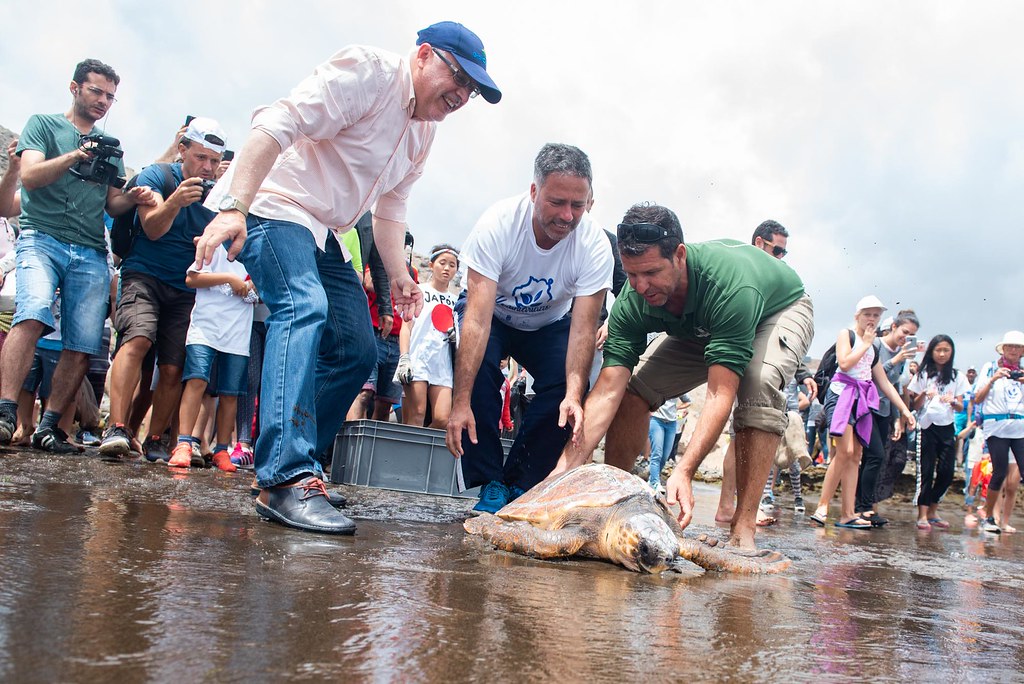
x=188, y=119
x=228, y=155
x=912, y=341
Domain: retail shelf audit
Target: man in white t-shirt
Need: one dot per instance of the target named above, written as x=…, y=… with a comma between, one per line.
x=529, y=259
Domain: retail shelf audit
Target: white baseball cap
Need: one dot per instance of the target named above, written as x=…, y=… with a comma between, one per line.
x=207, y=133
x=870, y=302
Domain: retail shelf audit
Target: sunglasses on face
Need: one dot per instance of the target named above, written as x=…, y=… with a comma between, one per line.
x=643, y=232
x=460, y=77
x=778, y=251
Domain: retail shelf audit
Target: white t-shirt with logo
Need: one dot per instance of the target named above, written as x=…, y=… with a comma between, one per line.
x=535, y=286
x=220, y=319
x=1005, y=398
x=934, y=411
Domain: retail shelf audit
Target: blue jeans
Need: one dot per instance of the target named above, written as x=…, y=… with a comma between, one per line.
x=232, y=369
x=662, y=434
x=540, y=441
x=319, y=345
x=382, y=376
x=44, y=264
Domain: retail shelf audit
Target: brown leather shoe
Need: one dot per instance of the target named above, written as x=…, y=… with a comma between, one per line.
x=303, y=505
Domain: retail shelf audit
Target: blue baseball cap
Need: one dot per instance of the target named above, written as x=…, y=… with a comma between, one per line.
x=468, y=51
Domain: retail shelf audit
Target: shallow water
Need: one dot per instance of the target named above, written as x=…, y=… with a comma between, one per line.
x=123, y=570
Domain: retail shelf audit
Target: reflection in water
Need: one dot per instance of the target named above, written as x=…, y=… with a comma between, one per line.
x=134, y=579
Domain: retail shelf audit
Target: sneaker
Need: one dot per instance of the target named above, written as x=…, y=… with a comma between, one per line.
x=181, y=455
x=242, y=456
x=117, y=441
x=87, y=438
x=493, y=497
x=198, y=460
x=990, y=526
x=515, y=492
x=767, y=504
x=798, y=505
x=222, y=459
x=155, y=450
x=8, y=425
x=53, y=440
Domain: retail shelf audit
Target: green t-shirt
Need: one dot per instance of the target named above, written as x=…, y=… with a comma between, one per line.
x=70, y=209
x=732, y=288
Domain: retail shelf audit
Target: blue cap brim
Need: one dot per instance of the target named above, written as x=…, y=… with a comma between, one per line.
x=488, y=90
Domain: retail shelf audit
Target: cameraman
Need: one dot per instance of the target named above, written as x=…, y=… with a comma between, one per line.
x=155, y=304
x=62, y=246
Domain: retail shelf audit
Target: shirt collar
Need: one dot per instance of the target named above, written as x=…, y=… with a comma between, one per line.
x=408, y=92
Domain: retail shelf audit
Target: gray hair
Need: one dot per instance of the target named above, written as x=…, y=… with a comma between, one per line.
x=564, y=159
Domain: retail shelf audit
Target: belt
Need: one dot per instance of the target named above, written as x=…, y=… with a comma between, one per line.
x=1002, y=416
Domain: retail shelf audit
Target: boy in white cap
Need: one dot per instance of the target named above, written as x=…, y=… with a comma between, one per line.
x=155, y=303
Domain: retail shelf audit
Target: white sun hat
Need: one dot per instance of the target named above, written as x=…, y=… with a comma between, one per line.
x=870, y=302
x=1012, y=337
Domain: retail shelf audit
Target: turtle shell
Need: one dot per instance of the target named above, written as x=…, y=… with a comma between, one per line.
x=594, y=485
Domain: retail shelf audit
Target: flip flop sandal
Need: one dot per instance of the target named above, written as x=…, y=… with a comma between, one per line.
x=855, y=524
x=923, y=525
x=766, y=521
x=938, y=522
x=817, y=519
x=874, y=518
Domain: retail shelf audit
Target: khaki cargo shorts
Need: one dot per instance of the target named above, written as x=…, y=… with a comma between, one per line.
x=672, y=366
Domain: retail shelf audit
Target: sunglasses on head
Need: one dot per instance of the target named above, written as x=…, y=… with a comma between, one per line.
x=643, y=232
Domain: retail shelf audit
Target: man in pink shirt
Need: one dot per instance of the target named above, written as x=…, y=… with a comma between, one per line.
x=351, y=137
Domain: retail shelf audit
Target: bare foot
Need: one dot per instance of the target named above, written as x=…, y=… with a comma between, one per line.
x=764, y=520
x=1009, y=529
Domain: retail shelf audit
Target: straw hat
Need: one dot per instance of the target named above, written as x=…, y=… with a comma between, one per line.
x=1012, y=337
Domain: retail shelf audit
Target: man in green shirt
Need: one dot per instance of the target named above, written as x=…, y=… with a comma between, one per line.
x=62, y=245
x=736, y=319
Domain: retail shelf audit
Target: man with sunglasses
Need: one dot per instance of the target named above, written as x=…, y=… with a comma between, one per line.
x=155, y=305
x=529, y=259
x=62, y=246
x=353, y=136
x=736, y=319
x=771, y=236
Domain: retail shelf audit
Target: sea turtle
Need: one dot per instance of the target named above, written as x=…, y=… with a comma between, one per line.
x=600, y=511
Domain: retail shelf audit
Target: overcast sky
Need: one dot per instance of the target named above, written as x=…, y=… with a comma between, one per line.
x=885, y=136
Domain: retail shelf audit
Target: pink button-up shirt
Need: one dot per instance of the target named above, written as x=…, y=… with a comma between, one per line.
x=348, y=141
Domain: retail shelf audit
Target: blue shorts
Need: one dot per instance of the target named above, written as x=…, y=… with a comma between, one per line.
x=382, y=376
x=232, y=369
x=40, y=376
x=44, y=264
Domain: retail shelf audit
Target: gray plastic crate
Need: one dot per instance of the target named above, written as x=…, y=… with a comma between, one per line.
x=406, y=458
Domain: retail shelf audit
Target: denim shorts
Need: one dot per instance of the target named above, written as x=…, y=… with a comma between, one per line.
x=45, y=264
x=232, y=369
x=382, y=376
x=40, y=376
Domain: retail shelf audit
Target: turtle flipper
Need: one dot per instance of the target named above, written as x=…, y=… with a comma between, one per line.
x=715, y=555
x=525, y=539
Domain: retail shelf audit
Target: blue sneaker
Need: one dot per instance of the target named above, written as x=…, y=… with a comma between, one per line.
x=493, y=497
x=514, y=493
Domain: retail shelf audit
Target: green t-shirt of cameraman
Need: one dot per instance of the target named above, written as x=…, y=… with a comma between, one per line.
x=70, y=209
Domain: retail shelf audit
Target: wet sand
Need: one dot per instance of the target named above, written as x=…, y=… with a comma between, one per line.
x=128, y=572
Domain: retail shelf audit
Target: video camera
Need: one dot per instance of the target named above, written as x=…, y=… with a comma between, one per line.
x=98, y=168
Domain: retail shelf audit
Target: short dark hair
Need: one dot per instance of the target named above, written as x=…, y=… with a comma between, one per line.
x=646, y=212
x=95, y=66
x=564, y=159
x=767, y=229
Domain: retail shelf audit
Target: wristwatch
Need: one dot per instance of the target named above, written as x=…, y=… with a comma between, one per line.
x=229, y=203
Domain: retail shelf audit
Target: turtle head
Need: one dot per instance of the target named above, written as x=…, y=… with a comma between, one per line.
x=643, y=542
